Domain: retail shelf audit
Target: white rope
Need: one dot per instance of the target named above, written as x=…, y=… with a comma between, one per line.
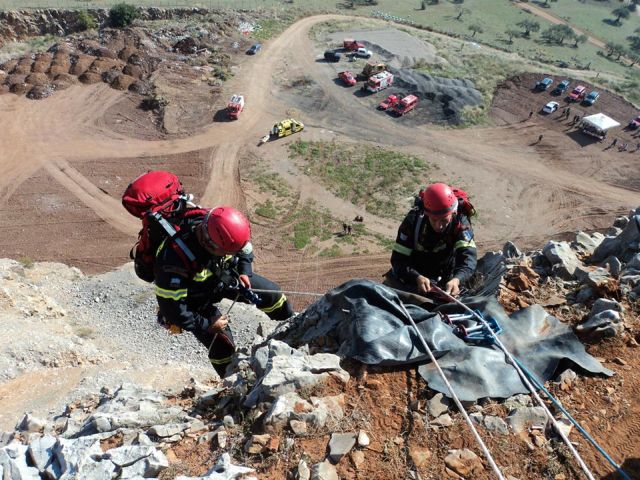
x=287, y=292
x=526, y=381
x=484, y=448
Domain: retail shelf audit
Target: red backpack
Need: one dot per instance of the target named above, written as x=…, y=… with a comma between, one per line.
x=158, y=199
x=464, y=205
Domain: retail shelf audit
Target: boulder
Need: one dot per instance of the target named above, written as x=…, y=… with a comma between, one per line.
x=562, y=258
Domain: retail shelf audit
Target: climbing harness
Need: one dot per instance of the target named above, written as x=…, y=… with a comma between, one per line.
x=525, y=380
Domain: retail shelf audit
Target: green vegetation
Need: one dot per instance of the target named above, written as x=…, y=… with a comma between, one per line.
x=267, y=210
x=122, y=15
x=310, y=224
x=26, y=262
x=374, y=177
x=86, y=20
x=271, y=27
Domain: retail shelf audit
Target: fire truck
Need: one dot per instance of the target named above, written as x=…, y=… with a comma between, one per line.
x=235, y=106
x=379, y=81
x=405, y=105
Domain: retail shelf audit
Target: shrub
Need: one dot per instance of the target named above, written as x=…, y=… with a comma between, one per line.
x=86, y=21
x=122, y=15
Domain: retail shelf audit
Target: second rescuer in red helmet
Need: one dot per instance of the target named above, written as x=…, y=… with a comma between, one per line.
x=435, y=240
x=187, y=289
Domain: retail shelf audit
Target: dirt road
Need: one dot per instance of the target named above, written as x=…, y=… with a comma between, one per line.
x=524, y=192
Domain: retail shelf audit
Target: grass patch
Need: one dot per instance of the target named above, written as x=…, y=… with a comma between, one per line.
x=271, y=27
x=26, y=262
x=312, y=225
x=377, y=178
x=272, y=183
x=267, y=210
x=332, y=251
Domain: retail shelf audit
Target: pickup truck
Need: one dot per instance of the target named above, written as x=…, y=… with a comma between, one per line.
x=362, y=53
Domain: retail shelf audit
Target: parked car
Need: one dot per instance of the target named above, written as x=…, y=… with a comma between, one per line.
x=544, y=83
x=388, y=102
x=550, y=107
x=577, y=93
x=363, y=53
x=255, y=48
x=635, y=123
x=347, y=77
x=332, y=56
x=562, y=87
x=591, y=98
x=405, y=105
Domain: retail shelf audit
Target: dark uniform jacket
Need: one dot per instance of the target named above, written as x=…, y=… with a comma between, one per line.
x=186, y=294
x=419, y=250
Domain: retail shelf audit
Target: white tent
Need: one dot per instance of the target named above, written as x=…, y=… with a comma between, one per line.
x=601, y=121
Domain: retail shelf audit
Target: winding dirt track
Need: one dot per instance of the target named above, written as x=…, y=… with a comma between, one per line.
x=524, y=193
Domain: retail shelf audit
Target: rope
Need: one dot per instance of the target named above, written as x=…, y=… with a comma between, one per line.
x=484, y=448
x=586, y=435
x=526, y=381
x=287, y=292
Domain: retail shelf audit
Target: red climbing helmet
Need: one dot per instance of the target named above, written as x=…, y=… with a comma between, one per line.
x=439, y=200
x=226, y=230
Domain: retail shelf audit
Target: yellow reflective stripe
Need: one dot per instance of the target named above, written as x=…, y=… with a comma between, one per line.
x=160, y=247
x=463, y=244
x=203, y=275
x=171, y=294
x=220, y=361
x=401, y=249
x=276, y=305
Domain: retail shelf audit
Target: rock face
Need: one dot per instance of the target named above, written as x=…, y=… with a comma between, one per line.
x=18, y=25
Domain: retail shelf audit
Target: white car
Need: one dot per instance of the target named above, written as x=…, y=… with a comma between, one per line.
x=550, y=107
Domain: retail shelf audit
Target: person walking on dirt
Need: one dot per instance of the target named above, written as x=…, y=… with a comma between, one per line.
x=217, y=265
x=540, y=137
x=530, y=114
x=434, y=241
x=567, y=112
x=349, y=229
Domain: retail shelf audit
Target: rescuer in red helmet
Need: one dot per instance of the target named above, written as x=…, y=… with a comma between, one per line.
x=212, y=261
x=435, y=240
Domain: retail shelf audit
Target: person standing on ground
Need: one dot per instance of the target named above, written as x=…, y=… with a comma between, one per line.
x=217, y=265
x=433, y=241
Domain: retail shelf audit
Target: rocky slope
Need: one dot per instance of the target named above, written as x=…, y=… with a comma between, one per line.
x=93, y=388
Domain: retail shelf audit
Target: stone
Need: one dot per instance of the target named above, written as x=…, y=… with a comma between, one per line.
x=604, y=324
x=562, y=258
x=495, y=424
x=363, y=439
x=516, y=401
x=585, y=294
x=586, y=243
x=257, y=443
x=464, y=462
x=223, y=470
x=29, y=423
x=438, y=405
x=196, y=426
x=623, y=246
x=228, y=421
x=324, y=471
x=357, y=458
x=303, y=472
x=602, y=304
x=340, y=445
x=221, y=438
x=443, y=420
x=298, y=427
x=614, y=265
x=169, y=430
x=521, y=419
x=41, y=451
x=419, y=455
x=509, y=250
x=566, y=379
x=596, y=278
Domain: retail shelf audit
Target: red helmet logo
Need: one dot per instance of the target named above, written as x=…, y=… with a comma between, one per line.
x=439, y=200
x=226, y=230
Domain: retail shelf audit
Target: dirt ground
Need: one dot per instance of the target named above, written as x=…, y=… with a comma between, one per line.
x=67, y=158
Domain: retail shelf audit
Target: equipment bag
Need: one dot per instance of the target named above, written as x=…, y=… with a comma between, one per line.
x=158, y=199
x=464, y=205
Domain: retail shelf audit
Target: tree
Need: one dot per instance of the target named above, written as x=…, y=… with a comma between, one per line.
x=461, y=12
x=621, y=12
x=634, y=57
x=85, y=21
x=511, y=33
x=476, y=28
x=122, y=15
x=614, y=49
x=558, y=34
x=634, y=41
x=423, y=5
x=528, y=26
x=580, y=39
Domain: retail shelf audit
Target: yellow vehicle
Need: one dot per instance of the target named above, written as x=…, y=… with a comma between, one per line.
x=286, y=127
x=371, y=69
